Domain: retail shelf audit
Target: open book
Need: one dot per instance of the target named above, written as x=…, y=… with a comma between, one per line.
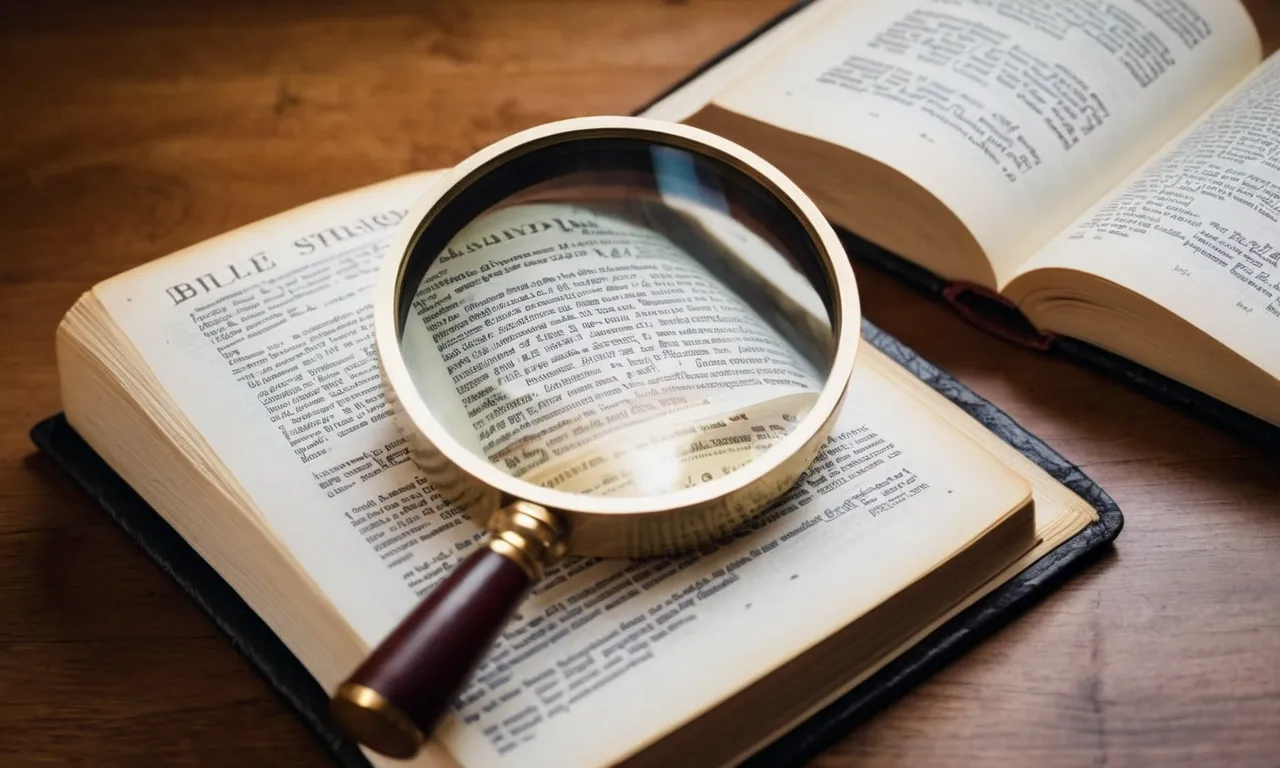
x=234, y=386
x=1112, y=169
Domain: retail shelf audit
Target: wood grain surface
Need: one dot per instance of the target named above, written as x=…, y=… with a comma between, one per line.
x=132, y=129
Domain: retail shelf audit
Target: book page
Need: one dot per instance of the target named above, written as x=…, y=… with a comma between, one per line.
x=1198, y=229
x=693, y=95
x=1016, y=114
x=263, y=339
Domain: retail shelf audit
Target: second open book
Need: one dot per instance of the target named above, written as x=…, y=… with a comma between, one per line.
x=1113, y=169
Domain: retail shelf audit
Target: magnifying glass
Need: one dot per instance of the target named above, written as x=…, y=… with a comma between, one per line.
x=607, y=336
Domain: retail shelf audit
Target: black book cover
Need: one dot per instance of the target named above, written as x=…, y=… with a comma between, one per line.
x=268, y=655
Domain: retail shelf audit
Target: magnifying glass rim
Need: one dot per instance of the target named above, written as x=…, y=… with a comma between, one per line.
x=846, y=314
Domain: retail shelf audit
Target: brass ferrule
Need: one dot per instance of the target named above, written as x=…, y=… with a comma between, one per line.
x=529, y=535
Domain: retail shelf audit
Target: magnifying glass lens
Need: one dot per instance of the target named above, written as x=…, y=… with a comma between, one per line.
x=617, y=317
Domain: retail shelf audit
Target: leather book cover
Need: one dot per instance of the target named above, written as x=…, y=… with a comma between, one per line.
x=269, y=656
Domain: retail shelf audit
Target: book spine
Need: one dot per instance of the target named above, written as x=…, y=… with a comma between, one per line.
x=995, y=314
x=979, y=305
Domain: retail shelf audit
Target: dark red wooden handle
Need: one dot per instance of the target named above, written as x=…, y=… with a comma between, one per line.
x=421, y=667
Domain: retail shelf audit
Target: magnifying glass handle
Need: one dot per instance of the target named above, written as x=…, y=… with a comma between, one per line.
x=398, y=695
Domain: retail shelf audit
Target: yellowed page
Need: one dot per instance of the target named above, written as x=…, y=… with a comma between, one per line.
x=692, y=96
x=262, y=340
x=1198, y=229
x=1017, y=115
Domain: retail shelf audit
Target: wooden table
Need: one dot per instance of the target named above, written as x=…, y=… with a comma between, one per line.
x=133, y=129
